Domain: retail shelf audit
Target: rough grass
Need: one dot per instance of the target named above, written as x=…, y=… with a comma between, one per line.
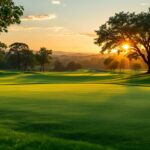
x=74, y=111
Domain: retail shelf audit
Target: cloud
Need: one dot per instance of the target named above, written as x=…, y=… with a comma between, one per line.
x=56, y=2
x=89, y=34
x=39, y=17
x=55, y=31
x=143, y=4
x=28, y=28
x=70, y=34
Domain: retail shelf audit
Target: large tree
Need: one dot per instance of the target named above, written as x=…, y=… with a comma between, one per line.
x=127, y=28
x=9, y=14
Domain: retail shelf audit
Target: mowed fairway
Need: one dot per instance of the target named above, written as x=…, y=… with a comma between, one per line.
x=74, y=111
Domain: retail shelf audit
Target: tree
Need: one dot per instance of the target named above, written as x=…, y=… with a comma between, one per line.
x=108, y=61
x=27, y=59
x=111, y=63
x=72, y=66
x=130, y=28
x=43, y=57
x=114, y=65
x=9, y=14
x=58, y=66
x=3, y=47
x=15, y=53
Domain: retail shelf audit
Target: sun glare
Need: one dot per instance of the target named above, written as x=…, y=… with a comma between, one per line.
x=125, y=46
x=114, y=50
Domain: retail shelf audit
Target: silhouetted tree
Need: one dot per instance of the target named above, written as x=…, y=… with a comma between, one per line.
x=15, y=53
x=9, y=14
x=58, y=66
x=111, y=63
x=27, y=59
x=43, y=56
x=72, y=66
x=3, y=47
x=108, y=60
x=127, y=28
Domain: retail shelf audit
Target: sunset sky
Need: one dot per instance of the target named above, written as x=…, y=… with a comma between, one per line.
x=66, y=25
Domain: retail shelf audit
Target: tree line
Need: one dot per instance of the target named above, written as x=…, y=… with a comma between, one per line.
x=121, y=63
x=19, y=56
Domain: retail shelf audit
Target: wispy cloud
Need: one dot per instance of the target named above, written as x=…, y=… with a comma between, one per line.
x=89, y=34
x=74, y=34
x=28, y=28
x=56, y=2
x=39, y=17
x=54, y=31
x=143, y=4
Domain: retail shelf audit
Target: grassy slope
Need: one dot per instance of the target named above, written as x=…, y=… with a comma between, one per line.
x=73, y=116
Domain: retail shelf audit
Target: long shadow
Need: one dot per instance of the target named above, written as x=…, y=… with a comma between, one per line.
x=55, y=79
x=111, y=131
x=38, y=78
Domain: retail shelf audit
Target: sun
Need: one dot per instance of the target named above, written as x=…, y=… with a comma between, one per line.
x=126, y=46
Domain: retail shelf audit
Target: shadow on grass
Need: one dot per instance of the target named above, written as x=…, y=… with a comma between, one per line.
x=40, y=136
x=58, y=79
x=113, y=131
x=34, y=78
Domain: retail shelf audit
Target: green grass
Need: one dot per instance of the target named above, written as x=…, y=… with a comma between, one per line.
x=74, y=111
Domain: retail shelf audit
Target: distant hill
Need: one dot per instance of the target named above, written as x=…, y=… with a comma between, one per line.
x=72, y=53
x=87, y=60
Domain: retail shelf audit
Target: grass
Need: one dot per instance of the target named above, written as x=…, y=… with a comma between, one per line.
x=74, y=111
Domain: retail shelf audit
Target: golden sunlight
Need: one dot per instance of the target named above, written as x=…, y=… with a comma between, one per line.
x=125, y=46
x=114, y=51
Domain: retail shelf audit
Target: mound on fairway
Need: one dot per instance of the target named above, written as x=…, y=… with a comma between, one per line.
x=74, y=111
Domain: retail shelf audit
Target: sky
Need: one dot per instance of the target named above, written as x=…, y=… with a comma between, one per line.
x=66, y=25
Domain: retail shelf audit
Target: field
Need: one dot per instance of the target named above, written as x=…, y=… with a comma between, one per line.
x=74, y=111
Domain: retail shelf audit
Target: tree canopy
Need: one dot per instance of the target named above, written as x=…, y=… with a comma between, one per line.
x=16, y=52
x=3, y=46
x=126, y=28
x=43, y=57
x=9, y=14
